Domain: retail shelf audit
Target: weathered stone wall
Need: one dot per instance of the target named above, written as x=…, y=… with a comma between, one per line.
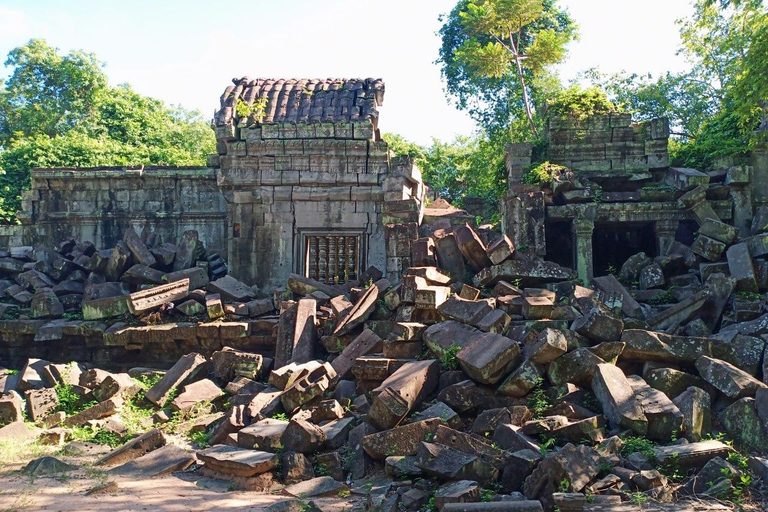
x=98, y=204
x=608, y=143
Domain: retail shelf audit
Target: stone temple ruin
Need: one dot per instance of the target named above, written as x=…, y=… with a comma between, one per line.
x=308, y=188
x=299, y=306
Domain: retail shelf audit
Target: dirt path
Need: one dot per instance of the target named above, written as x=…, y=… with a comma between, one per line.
x=184, y=493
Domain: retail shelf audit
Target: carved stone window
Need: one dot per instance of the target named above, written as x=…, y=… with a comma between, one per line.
x=333, y=257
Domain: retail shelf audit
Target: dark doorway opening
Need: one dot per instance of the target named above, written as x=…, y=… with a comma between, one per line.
x=614, y=243
x=560, y=243
x=687, y=231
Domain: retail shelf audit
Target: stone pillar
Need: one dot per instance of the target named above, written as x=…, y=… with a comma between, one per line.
x=738, y=178
x=665, y=231
x=582, y=230
x=523, y=217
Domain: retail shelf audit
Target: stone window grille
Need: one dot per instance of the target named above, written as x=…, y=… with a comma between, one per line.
x=332, y=257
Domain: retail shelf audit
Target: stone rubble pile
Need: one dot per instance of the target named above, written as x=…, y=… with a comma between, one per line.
x=520, y=386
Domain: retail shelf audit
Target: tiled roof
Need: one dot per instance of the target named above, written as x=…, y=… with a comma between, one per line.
x=304, y=100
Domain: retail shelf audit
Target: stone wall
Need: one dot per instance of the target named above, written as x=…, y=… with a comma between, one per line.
x=98, y=204
x=608, y=143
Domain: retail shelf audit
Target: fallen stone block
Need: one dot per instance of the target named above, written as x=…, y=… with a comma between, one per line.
x=229, y=363
x=665, y=421
x=489, y=357
x=742, y=268
x=307, y=387
x=529, y=272
x=116, y=384
x=744, y=425
x=185, y=369
x=195, y=393
x=432, y=275
x=598, y=326
x=142, y=274
x=446, y=463
x=147, y=300
x=198, y=277
x=40, y=403
x=396, y=397
x=644, y=345
x=214, y=306
x=162, y=461
x=694, y=404
x=465, y=311
x=359, y=312
x=402, y=440
x=442, y=336
x=617, y=399
x=501, y=250
x=495, y=506
x=303, y=437
x=99, y=411
x=367, y=342
x=471, y=247
x=265, y=434
x=726, y=378
x=235, y=461
x=523, y=379
x=316, y=487
x=10, y=408
x=549, y=345
x=231, y=289
x=577, y=465
x=690, y=455
x=133, y=449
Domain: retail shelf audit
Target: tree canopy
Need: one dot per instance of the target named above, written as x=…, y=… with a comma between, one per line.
x=60, y=111
x=495, y=56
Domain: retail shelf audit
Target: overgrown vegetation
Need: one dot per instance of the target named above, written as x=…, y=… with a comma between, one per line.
x=449, y=359
x=538, y=401
x=59, y=110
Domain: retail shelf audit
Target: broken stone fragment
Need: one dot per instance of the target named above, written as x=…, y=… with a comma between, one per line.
x=523, y=379
x=116, y=384
x=489, y=357
x=665, y=421
x=694, y=404
x=501, y=250
x=729, y=380
x=213, y=306
x=399, y=466
x=465, y=311
x=303, y=437
x=198, y=277
x=651, y=277
x=265, y=434
x=193, y=394
x=577, y=465
x=316, y=487
x=235, y=461
x=618, y=400
x=185, y=369
x=41, y=403
x=296, y=468
x=141, y=275
x=549, y=345
x=446, y=463
x=45, y=304
x=133, y=449
x=471, y=247
x=598, y=326
x=96, y=412
x=407, y=387
x=139, y=250
x=11, y=407
x=690, y=455
x=630, y=270
x=742, y=268
x=402, y=440
x=147, y=300
x=359, y=312
x=229, y=363
x=307, y=386
x=744, y=425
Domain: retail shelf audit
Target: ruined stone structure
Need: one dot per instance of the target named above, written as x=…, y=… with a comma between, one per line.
x=302, y=182
x=619, y=196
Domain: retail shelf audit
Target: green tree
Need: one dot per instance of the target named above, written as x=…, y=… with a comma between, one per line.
x=60, y=111
x=495, y=55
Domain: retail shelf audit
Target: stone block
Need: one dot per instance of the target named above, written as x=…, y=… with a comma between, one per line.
x=449, y=464
x=598, y=326
x=618, y=400
x=694, y=404
x=465, y=311
x=472, y=247
x=236, y=461
x=192, y=394
x=303, y=437
x=728, y=379
x=407, y=387
x=265, y=434
x=742, y=268
x=402, y=440
x=489, y=357
x=147, y=300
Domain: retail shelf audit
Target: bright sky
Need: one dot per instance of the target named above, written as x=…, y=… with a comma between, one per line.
x=187, y=51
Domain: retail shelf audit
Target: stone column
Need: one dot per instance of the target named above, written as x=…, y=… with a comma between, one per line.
x=665, y=231
x=582, y=230
x=738, y=178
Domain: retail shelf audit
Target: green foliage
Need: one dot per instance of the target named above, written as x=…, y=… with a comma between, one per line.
x=280, y=416
x=59, y=111
x=738, y=460
x=73, y=316
x=467, y=166
x=494, y=58
x=565, y=485
x=88, y=434
x=201, y=438
x=638, y=444
x=580, y=103
x=538, y=401
x=449, y=359
x=69, y=401
x=663, y=298
x=750, y=295
x=255, y=111
x=542, y=174
x=486, y=495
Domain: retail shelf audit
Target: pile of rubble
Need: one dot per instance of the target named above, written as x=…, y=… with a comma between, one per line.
x=524, y=388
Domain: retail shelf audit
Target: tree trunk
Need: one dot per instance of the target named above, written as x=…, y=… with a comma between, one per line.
x=520, y=76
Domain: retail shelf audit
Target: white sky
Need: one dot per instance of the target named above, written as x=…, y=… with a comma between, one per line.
x=186, y=51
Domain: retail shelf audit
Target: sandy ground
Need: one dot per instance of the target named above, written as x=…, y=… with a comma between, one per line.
x=183, y=492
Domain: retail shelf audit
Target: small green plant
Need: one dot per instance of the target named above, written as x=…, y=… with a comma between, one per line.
x=542, y=173
x=431, y=504
x=660, y=299
x=73, y=316
x=638, y=498
x=321, y=470
x=738, y=460
x=546, y=445
x=749, y=296
x=598, y=196
x=201, y=438
x=487, y=495
x=639, y=444
x=69, y=401
x=11, y=372
x=256, y=110
x=449, y=359
x=280, y=416
x=344, y=493
x=565, y=485
x=537, y=400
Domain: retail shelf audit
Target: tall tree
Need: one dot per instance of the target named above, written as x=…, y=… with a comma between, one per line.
x=495, y=55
